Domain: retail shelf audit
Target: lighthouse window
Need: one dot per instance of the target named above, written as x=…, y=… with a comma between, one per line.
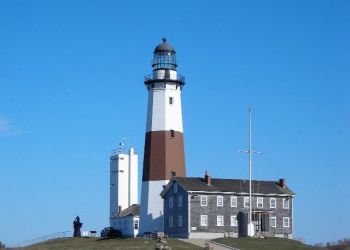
x=172, y=133
x=171, y=100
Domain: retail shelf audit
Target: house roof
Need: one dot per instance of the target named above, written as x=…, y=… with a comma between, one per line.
x=197, y=184
x=130, y=211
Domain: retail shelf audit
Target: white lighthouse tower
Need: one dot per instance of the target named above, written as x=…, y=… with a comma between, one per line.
x=164, y=145
x=123, y=180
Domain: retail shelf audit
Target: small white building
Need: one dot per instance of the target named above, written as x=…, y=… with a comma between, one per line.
x=127, y=221
x=123, y=180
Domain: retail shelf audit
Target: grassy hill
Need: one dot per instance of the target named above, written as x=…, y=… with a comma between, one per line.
x=265, y=244
x=140, y=243
x=111, y=244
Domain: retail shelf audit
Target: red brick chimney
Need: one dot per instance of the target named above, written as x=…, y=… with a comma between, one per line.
x=207, y=178
x=282, y=183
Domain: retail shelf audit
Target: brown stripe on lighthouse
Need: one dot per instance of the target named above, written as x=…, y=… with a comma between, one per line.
x=163, y=155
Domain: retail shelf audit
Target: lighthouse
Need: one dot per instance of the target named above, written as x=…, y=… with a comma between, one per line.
x=164, y=143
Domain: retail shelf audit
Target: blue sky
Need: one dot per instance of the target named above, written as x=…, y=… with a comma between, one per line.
x=71, y=85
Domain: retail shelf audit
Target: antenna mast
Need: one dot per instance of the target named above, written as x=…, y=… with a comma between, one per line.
x=250, y=152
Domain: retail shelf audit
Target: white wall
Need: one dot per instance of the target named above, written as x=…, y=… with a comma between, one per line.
x=133, y=177
x=160, y=73
x=126, y=225
x=152, y=216
x=123, y=181
x=162, y=116
x=119, y=182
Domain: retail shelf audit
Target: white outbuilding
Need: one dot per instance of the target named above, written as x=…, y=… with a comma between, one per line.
x=123, y=180
x=127, y=221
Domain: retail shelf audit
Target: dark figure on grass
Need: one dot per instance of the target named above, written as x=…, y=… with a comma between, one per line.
x=77, y=225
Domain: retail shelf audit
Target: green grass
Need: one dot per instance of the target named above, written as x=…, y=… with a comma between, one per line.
x=111, y=244
x=265, y=244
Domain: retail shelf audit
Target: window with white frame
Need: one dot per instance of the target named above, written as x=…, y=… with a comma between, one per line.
x=136, y=224
x=179, y=221
x=272, y=202
x=179, y=201
x=171, y=222
x=285, y=221
x=171, y=202
x=175, y=188
x=233, y=201
x=219, y=201
x=285, y=203
x=273, y=221
x=220, y=220
x=259, y=202
x=204, y=220
x=204, y=200
x=233, y=220
x=246, y=201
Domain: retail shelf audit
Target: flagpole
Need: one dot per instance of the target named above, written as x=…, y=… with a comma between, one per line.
x=250, y=172
x=250, y=152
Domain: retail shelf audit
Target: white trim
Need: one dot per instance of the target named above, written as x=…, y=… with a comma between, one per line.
x=235, y=201
x=271, y=203
x=246, y=200
x=233, y=220
x=218, y=203
x=285, y=200
x=205, y=198
x=285, y=221
x=205, y=220
x=189, y=213
x=292, y=216
x=253, y=194
x=275, y=221
x=217, y=220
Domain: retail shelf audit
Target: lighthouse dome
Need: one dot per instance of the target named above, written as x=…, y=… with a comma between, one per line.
x=164, y=47
x=164, y=56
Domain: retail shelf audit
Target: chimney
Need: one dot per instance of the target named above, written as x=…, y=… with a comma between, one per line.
x=119, y=209
x=207, y=178
x=282, y=183
x=173, y=173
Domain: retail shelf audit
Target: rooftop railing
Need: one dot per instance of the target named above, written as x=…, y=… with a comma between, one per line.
x=178, y=77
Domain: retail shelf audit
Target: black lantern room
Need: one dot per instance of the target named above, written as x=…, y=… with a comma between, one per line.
x=164, y=65
x=164, y=56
